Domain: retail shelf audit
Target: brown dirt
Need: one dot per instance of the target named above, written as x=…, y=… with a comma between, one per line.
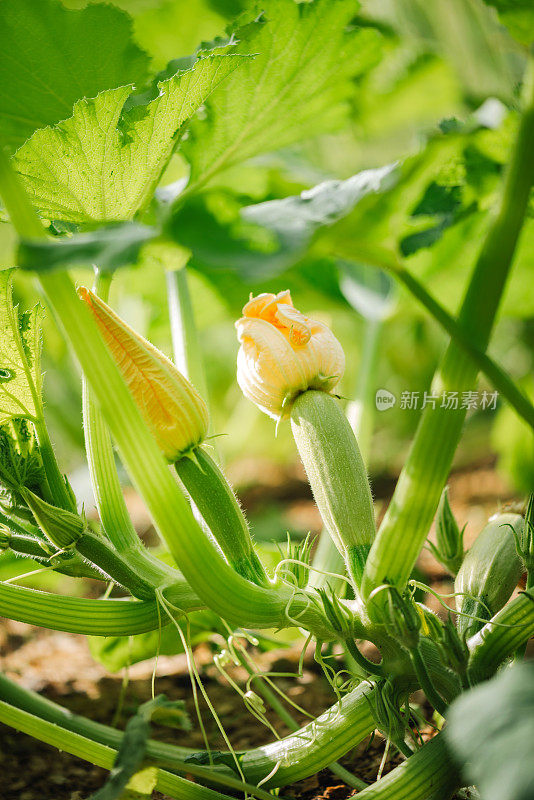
x=59, y=665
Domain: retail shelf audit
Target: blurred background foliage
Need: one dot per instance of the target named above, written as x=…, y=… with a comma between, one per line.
x=436, y=93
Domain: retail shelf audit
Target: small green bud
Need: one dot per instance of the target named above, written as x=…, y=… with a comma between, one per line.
x=454, y=650
x=404, y=621
x=386, y=710
x=254, y=702
x=299, y=555
x=62, y=528
x=431, y=625
x=337, y=615
x=449, y=549
x=524, y=539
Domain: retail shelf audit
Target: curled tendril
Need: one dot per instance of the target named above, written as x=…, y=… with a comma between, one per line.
x=425, y=588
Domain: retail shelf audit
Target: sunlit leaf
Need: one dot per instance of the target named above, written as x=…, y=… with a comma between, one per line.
x=71, y=54
x=297, y=85
x=20, y=349
x=518, y=16
x=103, y=164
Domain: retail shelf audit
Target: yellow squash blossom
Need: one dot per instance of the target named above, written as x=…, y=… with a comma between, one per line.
x=283, y=353
x=170, y=405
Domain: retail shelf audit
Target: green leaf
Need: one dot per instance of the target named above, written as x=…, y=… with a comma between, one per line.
x=116, y=652
x=518, y=16
x=132, y=749
x=128, y=759
x=51, y=56
x=20, y=356
x=109, y=247
x=513, y=441
x=370, y=291
x=172, y=713
x=490, y=731
x=297, y=85
x=104, y=163
x=263, y=240
x=294, y=220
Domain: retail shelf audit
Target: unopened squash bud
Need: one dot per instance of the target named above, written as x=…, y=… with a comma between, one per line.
x=170, y=405
x=489, y=572
x=449, y=550
x=283, y=353
x=62, y=528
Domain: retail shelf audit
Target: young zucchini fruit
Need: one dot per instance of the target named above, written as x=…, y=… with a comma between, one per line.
x=489, y=573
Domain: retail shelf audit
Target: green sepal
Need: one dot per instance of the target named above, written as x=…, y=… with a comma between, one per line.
x=337, y=615
x=449, y=549
x=63, y=528
x=431, y=625
x=386, y=708
x=403, y=621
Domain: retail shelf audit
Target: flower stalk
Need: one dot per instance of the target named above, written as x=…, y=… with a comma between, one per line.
x=337, y=476
x=219, y=507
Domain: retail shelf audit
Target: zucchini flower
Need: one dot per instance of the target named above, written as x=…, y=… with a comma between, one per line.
x=283, y=353
x=170, y=405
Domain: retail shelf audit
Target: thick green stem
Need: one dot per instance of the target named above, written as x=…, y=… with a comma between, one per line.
x=309, y=750
x=316, y=745
x=67, y=563
x=96, y=753
x=500, y=638
x=427, y=772
x=56, y=480
x=218, y=505
x=419, y=488
x=337, y=476
x=262, y=688
x=78, y=615
x=333, y=734
x=185, y=342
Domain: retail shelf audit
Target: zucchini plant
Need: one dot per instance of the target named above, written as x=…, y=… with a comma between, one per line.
x=89, y=138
